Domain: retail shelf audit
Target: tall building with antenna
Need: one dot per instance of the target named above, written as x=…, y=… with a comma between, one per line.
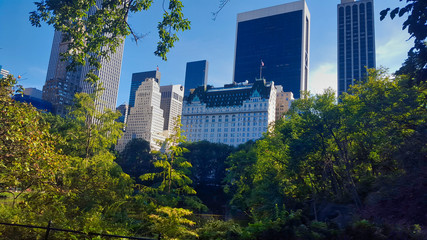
x=279, y=38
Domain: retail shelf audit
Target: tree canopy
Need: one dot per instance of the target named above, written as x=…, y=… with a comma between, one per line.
x=94, y=29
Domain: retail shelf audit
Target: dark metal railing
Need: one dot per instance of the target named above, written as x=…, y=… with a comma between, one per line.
x=49, y=229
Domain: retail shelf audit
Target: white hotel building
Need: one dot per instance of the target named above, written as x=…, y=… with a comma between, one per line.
x=231, y=115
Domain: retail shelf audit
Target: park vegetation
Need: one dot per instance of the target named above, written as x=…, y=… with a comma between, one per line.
x=355, y=168
x=328, y=170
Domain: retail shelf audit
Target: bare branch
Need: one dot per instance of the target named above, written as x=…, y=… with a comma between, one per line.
x=222, y=4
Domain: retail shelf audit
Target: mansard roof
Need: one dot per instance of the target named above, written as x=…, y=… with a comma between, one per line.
x=230, y=94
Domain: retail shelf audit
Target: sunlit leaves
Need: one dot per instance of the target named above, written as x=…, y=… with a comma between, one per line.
x=94, y=30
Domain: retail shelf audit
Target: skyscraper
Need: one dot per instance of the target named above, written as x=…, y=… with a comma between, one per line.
x=171, y=104
x=145, y=119
x=61, y=85
x=196, y=74
x=356, y=41
x=278, y=40
x=109, y=77
x=137, y=80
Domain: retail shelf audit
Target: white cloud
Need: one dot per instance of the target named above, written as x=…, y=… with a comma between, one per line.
x=323, y=77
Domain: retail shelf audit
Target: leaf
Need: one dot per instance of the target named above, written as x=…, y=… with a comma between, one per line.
x=383, y=13
x=394, y=12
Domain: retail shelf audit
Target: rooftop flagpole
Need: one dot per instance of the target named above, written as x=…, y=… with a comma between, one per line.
x=260, y=69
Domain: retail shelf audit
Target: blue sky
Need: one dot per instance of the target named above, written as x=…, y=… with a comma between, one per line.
x=25, y=50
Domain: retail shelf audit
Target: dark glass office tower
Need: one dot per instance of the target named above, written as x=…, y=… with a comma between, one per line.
x=196, y=74
x=356, y=41
x=137, y=79
x=280, y=37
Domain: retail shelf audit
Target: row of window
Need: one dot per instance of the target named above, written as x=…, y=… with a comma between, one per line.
x=224, y=139
x=255, y=105
x=243, y=129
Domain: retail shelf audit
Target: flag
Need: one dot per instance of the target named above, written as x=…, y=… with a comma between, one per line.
x=157, y=67
x=262, y=63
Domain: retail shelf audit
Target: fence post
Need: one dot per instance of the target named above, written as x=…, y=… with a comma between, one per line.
x=47, y=231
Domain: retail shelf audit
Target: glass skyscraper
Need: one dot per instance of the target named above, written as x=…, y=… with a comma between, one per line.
x=356, y=41
x=279, y=39
x=137, y=80
x=196, y=74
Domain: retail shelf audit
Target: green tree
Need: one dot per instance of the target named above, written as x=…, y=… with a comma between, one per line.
x=416, y=64
x=97, y=129
x=94, y=35
x=208, y=172
x=174, y=167
x=26, y=153
x=329, y=151
x=171, y=184
x=208, y=161
x=239, y=178
x=136, y=159
x=172, y=223
x=80, y=193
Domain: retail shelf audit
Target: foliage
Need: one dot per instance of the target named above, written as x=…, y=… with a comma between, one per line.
x=208, y=161
x=135, y=159
x=416, y=64
x=171, y=184
x=96, y=129
x=74, y=192
x=172, y=223
x=364, y=229
x=216, y=229
x=366, y=148
x=293, y=225
x=239, y=176
x=208, y=172
x=329, y=151
x=28, y=159
x=94, y=29
x=174, y=167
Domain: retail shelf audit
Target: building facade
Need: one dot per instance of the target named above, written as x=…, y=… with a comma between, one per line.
x=231, y=115
x=33, y=96
x=61, y=85
x=283, y=101
x=145, y=119
x=33, y=92
x=40, y=104
x=171, y=104
x=3, y=72
x=196, y=75
x=137, y=80
x=356, y=41
x=124, y=110
x=274, y=43
x=109, y=79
